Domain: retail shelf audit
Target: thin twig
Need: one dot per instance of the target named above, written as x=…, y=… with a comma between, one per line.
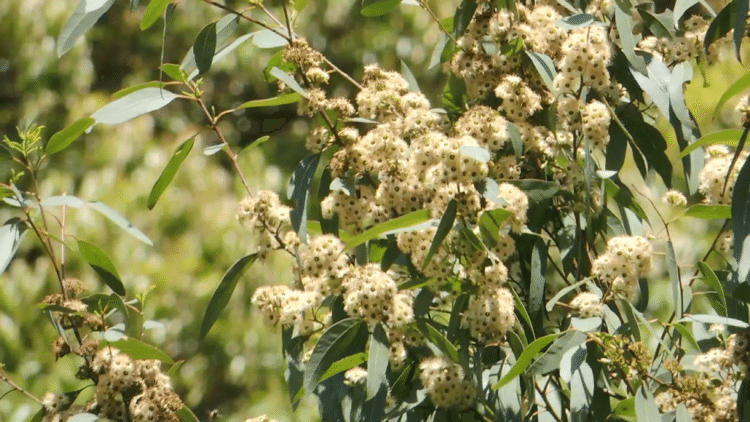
x=16, y=387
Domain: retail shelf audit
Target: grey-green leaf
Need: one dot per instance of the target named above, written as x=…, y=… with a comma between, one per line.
x=224, y=28
x=551, y=358
x=523, y=361
x=153, y=12
x=545, y=67
x=65, y=137
x=709, y=277
x=646, y=409
x=102, y=265
x=377, y=362
x=282, y=99
x=83, y=18
x=409, y=76
x=443, y=229
x=288, y=80
x=204, y=48
x=580, y=20
x=267, y=38
x=133, y=105
x=333, y=345
x=299, y=191
x=224, y=291
x=416, y=220
x=169, y=171
x=11, y=234
x=84, y=417
x=120, y=221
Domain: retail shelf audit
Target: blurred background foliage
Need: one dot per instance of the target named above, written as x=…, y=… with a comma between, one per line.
x=238, y=369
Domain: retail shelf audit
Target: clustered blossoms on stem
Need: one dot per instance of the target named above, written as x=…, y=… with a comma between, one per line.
x=588, y=305
x=626, y=259
x=713, y=180
x=445, y=383
x=268, y=219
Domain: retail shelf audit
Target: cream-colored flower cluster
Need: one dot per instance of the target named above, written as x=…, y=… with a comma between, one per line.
x=588, y=305
x=445, y=383
x=369, y=293
x=269, y=220
x=626, y=259
x=714, y=182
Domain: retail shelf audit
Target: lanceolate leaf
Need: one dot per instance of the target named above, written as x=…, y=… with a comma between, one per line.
x=739, y=86
x=580, y=20
x=224, y=28
x=133, y=105
x=266, y=38
x=674, y=278
x=545, y=67
x=523, y=361
x=443, y=229
x=299, y=191
x=345, y=364
x=169, y=171
x=186, y=415
x=709, y=277
x=222, y=294
x=372, y=8
x=625, y=30
x=83, y=18
x=377, y=362
x=463, y=16
x=438, y=339
x=720, y=25
x=550, y=360
x=102, y=265
x=728, y=137
x=65, y=137
x=11, y=234
x=715, y=319
x=538, y=278
x=739, y=13
x=120, y=221
x=741, y=219
x=153, y=12
x=334, y=344
x=409, y=76
x=398, y=224
x=204, y=48
x=137, y=349
x=288, y=80
x=709, y=212
x=282, y=99
x=646, y=409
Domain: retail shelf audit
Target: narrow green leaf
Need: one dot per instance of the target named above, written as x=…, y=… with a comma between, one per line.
x=580, y=20
x=299, y=4
x=38, y=416
x=443, y=229
x=538, y=277
x=741, y=217
x=719, y=26
x=656, y=23
x=298, y=190
x=267, y=38
x=169, y=171
x=137, y=349
x=119, y=221
x=288, y=80
x=125, y=91
x=624, y=22
x=739, y=14
x=102, y=265
x=224, y=28
x=674, y=278
x=377, y=362
x=65, y=137
x=728, y=137
x=550, y=359
x=173, y=71
x=490, y=222
x=437, y=52
x=739, y=86
x=545, y=67
x=523, y=361
x=186, y=415
x=224, y=291
x=687, y=335
x=625, y=407
x=371, y=8
x=133, y=105
x=204, y=48
x=282, y=99
x=333, y=345
x=715, y=319
x=709, y=212
x=462, y=17
x=11, y=234
x=521, y=309
x=409, y=76
x=402, y=223
x=153, y=12
x=646, y=409
x=83, y=18
x=438, y=339
x=709, y=277
x=344, y=364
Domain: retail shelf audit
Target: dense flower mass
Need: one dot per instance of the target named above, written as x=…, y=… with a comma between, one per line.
x=626, y=259
x=445, y=383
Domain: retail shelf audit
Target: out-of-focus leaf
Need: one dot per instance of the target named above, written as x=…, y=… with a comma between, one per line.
x=204, y=48
x=186, y=415
x=266, y=38
x=659, y=24
x=681, y=6
x=166, y=176
x=655, y=82
x=133, y=105
x=11, y=234
x=119, y=221
x=377, y=362
x=743, y=396
x=371, y=8
x=625, y=407
x=719, y=26
x=224, y=291
x=741, y=218
x=476, y=152
x=646, y=409
x=537, y=190
x=83, y=18
x=409, y=76
x=344, y=364
x=84, y=417
x=213, y=149
x=403, y=223
x=581, y=393
x=728, y=137
x=282, y=99
x=709, y=212
x=443, y=229
x=437, y=52
x=288, y=80
x=523, y=361
x=715, y=319
x=333, y=345
x=38, y=416
x=739, y=14
x=580, y=20
x=299, y=4
x=137, y=349
x=438, y=339
x=153, y=12
x=102, y=265
x=65, y=137
x=739, y=86
x=624, y=22
x=544, y=66
x=115, y=332
x=709, y=277
x=538, y=278
x=125, y=91
x=299, y=191
x=687, y=335
x=674, y=278
x=173, y=71
x=462, y=17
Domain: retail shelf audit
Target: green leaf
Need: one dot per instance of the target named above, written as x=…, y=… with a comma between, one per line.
x=550, y=359
x=709, y=277
x=674, y=278
x=371, y=8
x=133, y=105
x=437, y=52
x=377, y=362
x=204, y=48
x=345, y=364
x=224, y=291
x=224, y=28
x=186, y=415
x=299, y=191
x=173, y=71
x=438, y=339
x=709, y=212
x=299, y=4
x=656, y=23
x=538, y=277
x=282, y=99
x=288, y=80
x=521, y=309
x=125, y=91
x=580, y=20
x=489, y=224
x=11, y=234
x=739, y=14
x=728, y=137
x=267, y=38
x=38, y=416
x=624, y=23
x=581, y=392
x=443, y=229
x=153, y=11
x=83, y=18
x=332, y=345
x=403, y=223
x=102, y=265
x=537, y=190
x=137, y=349
x=741, y=218
x=739, y=86
x=169, y=171
x=523, y=361
x=409, y=76
x=119, y=221
x=545, y=67
x=65, y=137
x=719, y=26
x=646, y=409
x=687, y=335
x=715, y=319
x=462, y=17
x=625, y=407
